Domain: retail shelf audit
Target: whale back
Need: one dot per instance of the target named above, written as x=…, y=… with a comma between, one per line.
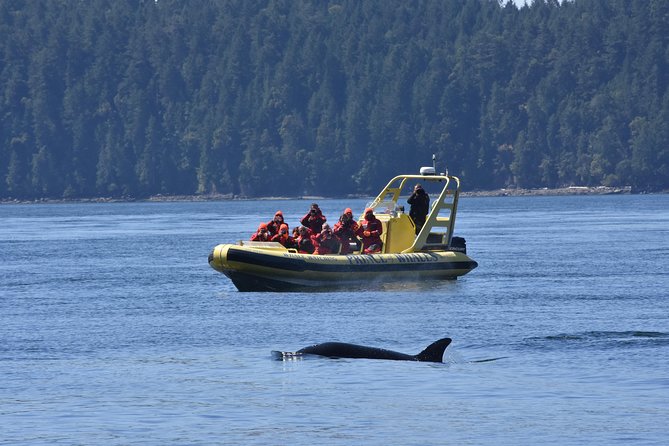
x=433, y=353
x=345, y=350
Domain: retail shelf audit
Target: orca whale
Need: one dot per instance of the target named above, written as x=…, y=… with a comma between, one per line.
x=432, y=353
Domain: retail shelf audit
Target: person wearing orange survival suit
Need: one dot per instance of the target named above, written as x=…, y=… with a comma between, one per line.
x=314, y=219
x=370, y=231
x=261, y=235
x=274, y=225
x=345, y=230
x=284, y=238
x=326, y=242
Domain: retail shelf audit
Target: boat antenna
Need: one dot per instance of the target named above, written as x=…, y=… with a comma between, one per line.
x=434, y=166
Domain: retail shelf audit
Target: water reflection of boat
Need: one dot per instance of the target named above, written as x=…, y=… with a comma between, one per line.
x=433, y=253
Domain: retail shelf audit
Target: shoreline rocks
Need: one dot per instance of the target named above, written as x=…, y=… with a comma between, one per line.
x=572, y=190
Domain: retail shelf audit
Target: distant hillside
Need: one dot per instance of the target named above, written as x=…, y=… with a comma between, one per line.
x=288, y=97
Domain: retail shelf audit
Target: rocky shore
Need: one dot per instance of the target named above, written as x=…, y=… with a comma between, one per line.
x=573, y=190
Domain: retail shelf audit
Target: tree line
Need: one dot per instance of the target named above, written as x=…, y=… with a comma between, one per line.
x=329, y=97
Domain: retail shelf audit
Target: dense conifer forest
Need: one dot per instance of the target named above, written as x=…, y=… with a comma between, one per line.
x=130, y=98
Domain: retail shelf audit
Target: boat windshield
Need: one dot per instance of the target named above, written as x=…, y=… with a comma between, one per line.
x=388, y=207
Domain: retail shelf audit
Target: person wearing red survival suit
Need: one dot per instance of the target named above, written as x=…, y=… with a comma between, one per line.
x=274, y=225
x=305, y=244
x=370, y=231
x=261, y=235
x=284, y=238
x=325, y=242
x=345, y=230
x=314, y=219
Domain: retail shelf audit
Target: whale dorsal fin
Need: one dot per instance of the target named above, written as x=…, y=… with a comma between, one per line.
x=435, y=351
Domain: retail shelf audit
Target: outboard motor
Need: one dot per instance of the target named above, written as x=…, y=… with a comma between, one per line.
x=458, y=244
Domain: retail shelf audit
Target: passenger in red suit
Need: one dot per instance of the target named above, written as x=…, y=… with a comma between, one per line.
x=305, y=245
x=314, y=219
x=284, y=238
x=345, y=230
x=326, y=242
x=370, y=231
x=274, y=225
x=262, y=234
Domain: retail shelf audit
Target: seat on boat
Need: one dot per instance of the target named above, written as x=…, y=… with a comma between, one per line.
x=398, y=232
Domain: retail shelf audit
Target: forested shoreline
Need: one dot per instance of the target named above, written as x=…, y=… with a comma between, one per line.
x=246, y=98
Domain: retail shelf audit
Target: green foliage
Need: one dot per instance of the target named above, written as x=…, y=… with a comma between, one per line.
x=329, y=97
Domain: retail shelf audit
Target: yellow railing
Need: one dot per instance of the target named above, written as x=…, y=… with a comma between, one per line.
x=387, y=202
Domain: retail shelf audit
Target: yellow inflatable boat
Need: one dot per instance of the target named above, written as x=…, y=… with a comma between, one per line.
x=433, y=253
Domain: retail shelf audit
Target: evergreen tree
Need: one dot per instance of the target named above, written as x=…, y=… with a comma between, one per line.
x=329, y=97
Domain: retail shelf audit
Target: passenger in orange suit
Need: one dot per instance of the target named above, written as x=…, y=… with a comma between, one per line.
x=370, y=231
x=345, y=230
x=262, y=234
x=274, y=225
x=326, y=242
x=283, y=237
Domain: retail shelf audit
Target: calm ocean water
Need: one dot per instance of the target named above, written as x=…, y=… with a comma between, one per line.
x=115, y=331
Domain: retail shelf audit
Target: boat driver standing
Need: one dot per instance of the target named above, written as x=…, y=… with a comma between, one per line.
x=370, y=231
x=420, y=206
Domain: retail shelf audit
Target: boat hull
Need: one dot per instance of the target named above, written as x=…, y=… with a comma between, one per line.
x=258, y=269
